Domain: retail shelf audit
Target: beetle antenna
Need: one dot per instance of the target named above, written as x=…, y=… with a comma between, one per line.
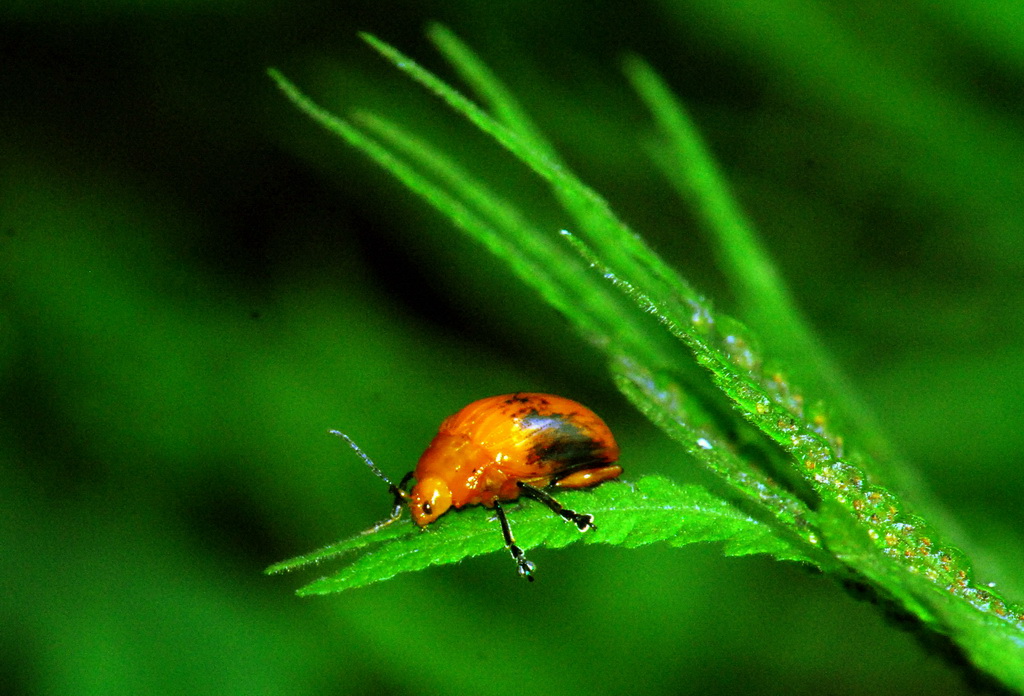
x=364, y=457
x=398, y=491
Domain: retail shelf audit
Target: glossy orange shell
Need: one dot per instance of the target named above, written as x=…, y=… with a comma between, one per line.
x=484, y=449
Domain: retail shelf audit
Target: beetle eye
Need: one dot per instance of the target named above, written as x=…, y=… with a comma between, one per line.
x=427, y=509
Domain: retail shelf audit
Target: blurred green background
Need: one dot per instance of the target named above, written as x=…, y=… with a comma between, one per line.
x=196, y=283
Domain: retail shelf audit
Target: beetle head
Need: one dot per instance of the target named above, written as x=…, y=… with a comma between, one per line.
x=429, y=499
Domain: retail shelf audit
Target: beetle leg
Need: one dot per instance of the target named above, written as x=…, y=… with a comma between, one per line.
x=395, y=515
x=401, y=496
x=399, y=490
x=396, y=512
x=582, y=522
x=588, y=477
x=524, y=566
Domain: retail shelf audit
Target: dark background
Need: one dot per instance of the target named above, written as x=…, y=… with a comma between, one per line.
x=196, y=282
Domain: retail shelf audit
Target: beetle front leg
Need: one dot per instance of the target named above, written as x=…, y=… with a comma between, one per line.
x=396, y=512
x=583, y=522
x=524, y=566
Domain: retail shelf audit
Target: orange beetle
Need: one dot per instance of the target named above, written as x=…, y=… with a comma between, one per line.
x=499, y=448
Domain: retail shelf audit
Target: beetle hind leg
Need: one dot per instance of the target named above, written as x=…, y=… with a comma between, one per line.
x=582, y=521
x=524, y=566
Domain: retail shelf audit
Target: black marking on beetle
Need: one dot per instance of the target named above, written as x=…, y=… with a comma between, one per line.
x=562, y=441
x=519, y=398
x=526, y=405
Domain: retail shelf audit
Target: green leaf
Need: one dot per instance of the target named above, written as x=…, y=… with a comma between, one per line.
x=680, y=414
x=802, y=484
x=652, y=509
x=976, y=618
x=763, y=296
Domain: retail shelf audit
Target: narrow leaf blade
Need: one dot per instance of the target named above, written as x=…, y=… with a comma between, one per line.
x=653, y=509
